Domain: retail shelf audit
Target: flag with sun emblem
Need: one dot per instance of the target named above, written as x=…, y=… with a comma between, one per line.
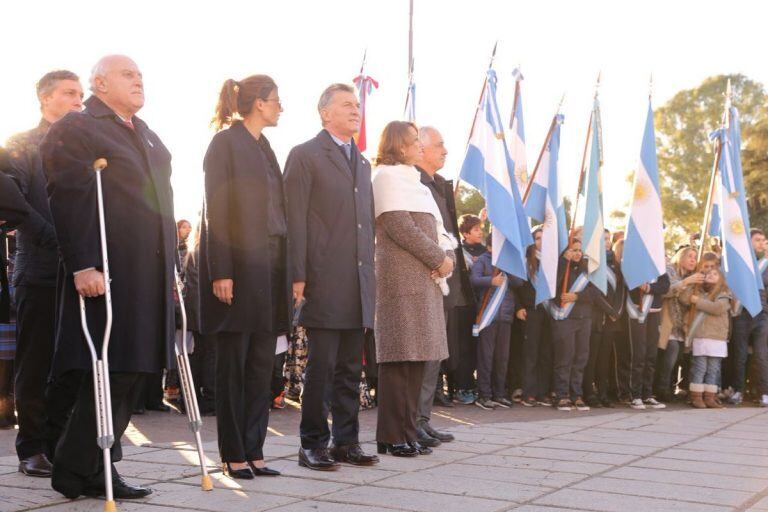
x=644, y=242
x=593, y=240
x=517, y=135
x=489, y=168
x=738, y=259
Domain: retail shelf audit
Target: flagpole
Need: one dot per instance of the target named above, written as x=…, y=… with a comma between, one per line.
x=410, y=38
x=578, y=192
x=477, y=109
x=543, y=149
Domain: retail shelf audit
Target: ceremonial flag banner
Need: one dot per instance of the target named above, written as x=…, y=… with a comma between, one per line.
x=644, y=243
x=545, y=204
x=593, y=239
x=517, y=135
x=739, y=264
x=365, y=85
x=410, y=103
x=488, y=167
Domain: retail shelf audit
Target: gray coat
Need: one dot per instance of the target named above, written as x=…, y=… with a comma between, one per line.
x=410, y=323
x=330, y=228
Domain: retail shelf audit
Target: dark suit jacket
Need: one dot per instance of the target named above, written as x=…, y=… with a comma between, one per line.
x=13, y=208
x=330, y=225
x=141, y=237
x=234, y=241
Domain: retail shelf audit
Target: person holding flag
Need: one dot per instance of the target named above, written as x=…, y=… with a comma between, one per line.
x=644, y=270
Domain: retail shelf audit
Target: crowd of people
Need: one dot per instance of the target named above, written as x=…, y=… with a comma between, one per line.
x=333, y=283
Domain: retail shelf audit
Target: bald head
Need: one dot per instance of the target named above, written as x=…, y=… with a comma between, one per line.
x=433, y=157
x=117, y=81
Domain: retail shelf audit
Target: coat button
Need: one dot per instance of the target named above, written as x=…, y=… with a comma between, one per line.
x=355, y=190
x=359, y=226
x=359, y=263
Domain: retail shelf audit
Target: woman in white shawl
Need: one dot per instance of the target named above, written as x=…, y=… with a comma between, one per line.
x=414, y=255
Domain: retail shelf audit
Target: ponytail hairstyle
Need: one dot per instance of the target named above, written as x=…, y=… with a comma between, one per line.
x=236, y=99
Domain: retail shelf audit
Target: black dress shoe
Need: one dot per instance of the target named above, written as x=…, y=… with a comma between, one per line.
x=161, y=407
x=265, y=471
x=36, y=465
x=238, y=474
x=398, y=450
x=423, y=450
x=318, y=459
x=444, y=437
x=425, y=439
x=121, y=490
x=353, y=454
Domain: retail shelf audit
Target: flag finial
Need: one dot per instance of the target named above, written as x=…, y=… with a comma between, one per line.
x=362, y=66
x=650, y=87
x=597, y=84
x=560, y=105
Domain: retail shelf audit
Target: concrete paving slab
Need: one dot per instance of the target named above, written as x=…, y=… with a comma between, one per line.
x=419, y=501
x=535, y=477
x=694, y=467
x=655, y=475
x=508, y=461
x=283, y=485
x=714, y=457
x=181, y=497
x=568, y=455
x=590, y=446
x=631, y=437
x=609, y=502
x=13, y=499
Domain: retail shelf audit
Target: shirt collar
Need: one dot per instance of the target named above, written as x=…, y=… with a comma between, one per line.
x=338, y=140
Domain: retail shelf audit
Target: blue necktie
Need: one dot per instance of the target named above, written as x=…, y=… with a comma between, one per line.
x=347, y=151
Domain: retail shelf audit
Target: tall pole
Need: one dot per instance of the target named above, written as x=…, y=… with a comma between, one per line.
x=543, y=149
x=410, y=39
x=477, y=109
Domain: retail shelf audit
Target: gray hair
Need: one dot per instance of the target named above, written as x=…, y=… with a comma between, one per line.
x=50, y=80
x=426, y=132
x=101, y=67
x=328, y=93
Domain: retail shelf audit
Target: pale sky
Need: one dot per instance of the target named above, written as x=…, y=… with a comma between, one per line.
x=187, y=49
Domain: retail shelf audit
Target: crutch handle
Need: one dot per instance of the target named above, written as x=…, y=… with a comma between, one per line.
x=100, y=164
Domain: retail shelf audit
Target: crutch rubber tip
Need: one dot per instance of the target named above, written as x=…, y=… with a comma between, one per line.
x=100, y=164
x=109, y=506
x=207, y=484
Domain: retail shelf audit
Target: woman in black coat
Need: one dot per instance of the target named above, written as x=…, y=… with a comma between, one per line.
x=242, y=272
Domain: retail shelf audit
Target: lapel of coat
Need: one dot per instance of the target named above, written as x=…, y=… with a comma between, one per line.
x=335, y=155
x=362, y=167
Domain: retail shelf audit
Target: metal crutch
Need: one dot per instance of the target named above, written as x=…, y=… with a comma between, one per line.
x=188, y=386
x=101, y=389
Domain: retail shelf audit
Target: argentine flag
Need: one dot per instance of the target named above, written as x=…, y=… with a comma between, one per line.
x=644, y=243
x=545, y=204
x=410, y=102
x=517, y=135
x=593, y=238
x=488, y=167
x=739, y=264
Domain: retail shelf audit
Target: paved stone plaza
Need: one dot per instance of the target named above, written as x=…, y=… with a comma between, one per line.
x=677, y=459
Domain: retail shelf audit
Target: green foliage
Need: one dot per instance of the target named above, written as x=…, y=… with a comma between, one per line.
x=686, y=156
x=469, y=200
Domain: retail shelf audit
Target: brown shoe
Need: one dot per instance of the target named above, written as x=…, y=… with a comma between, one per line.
x=37, y=465
x=710, y=400
x=696, y=400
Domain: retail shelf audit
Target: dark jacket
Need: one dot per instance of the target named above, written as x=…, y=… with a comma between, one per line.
x=331, y=228
x=192, y=288
x=37, y=258
x=141, y=237
x=658, y=290
x=481, y=276
x=615, y=309
x=461, y=293
x=583, y=306
x=13, y=207
x=234, y=239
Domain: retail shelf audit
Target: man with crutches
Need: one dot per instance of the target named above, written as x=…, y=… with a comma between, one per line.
x=139, y=235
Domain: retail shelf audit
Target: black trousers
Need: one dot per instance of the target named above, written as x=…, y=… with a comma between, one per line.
x=492, y=359
x=571, y=351
x=78, y=457
x=462, y=377
x=277, y=383
x=35, y=319
x=537, y=353
x=332, y=382
x=515, y=360
x=398, y=396
x=644, y=340
x=61, y=395
x=597, y=371
x=623, y=363
x=244, y=364
x=202, y=362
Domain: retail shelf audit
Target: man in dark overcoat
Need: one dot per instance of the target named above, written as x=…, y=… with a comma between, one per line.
x=59, y=92
x=330, y=225
x=141, y=244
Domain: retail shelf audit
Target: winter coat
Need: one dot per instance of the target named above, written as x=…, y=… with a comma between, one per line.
x=481, y=276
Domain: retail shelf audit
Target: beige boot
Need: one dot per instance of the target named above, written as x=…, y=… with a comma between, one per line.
x=710, y=398
x=697, y=401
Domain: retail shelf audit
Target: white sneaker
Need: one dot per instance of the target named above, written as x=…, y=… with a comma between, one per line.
x=736, y=398
x=764, y=401
x=653, y=403
x=637, y=404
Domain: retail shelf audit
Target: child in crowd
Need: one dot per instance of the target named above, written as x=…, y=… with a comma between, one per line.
x=708, y=337
x=493, y=345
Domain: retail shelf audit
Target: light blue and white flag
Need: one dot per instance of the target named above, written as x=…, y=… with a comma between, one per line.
x=593, y=237
x=492, y=308
x=517, y=135
x=739, y=263
x=644, y=243
x=488, y=167
x=545, y=204
x=410, y=102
